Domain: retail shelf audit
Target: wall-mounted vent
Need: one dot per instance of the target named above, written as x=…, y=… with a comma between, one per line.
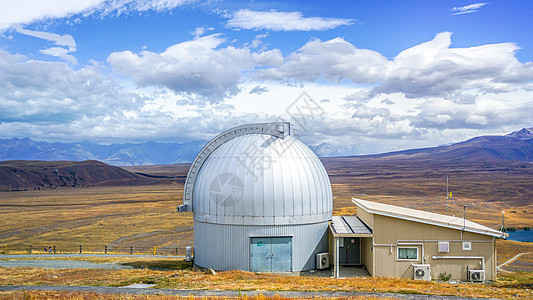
x=467, y=246
x=444, y=247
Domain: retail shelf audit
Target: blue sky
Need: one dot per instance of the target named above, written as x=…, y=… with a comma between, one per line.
x=381, y=75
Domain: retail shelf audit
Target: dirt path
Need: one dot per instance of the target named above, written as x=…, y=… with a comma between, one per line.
x=217, y=293
x=510, y=261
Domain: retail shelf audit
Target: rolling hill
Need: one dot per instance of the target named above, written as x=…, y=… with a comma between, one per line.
x=32, y=175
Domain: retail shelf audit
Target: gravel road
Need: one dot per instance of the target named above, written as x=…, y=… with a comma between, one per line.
x=59, y=264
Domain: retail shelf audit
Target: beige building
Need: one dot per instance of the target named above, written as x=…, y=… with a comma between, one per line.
x=408, y=243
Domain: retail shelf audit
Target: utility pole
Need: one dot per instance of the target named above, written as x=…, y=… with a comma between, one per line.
x=503, y=220
x=464, y=217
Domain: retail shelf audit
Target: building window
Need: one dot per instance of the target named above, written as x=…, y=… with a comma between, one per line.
x=407, y=253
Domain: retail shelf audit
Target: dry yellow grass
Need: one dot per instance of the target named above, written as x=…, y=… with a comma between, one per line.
x=91, y=296
x=508, y=249
x=510, y=287
x=143, y=216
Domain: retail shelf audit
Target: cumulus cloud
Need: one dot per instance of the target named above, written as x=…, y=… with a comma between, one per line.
x=282, y=21
x=467, y=9
x=435, y=69
x=334, y=60
x=430, y=69
x=444, y=114
x=199, y=66
x=52, y=92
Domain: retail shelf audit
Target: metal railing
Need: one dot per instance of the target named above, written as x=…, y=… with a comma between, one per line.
x=91, y=248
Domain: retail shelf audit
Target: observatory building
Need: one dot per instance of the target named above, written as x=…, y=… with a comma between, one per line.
x=261, y=201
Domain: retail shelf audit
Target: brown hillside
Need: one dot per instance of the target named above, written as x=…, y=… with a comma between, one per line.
x=29, y=175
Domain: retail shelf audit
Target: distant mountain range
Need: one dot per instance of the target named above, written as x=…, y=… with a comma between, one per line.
x=148, y=153
x=517, y=146
x=514, y=146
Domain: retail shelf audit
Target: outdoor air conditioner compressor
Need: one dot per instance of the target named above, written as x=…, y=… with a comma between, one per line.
x=322, y=261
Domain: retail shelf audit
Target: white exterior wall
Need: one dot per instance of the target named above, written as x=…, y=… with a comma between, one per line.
x=227, y=247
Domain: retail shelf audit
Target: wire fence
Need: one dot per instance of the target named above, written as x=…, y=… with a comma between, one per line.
x=91, y=248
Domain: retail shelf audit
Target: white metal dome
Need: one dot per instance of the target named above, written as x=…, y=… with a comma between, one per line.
x=261, y=178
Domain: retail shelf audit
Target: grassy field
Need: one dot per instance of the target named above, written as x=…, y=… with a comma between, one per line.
x=144, y=216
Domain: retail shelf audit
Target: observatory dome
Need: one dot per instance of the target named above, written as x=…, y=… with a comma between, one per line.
x=262, y=179
x=261, y=201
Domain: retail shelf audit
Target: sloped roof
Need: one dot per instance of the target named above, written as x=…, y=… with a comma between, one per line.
x=425, y=217
x=349, y=226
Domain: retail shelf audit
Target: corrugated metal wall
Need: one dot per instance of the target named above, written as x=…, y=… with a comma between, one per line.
x=227, y=247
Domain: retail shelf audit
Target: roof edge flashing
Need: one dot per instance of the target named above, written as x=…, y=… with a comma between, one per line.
x=488, y=231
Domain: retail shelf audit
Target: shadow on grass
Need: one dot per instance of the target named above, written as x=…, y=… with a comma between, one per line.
x=160, y=265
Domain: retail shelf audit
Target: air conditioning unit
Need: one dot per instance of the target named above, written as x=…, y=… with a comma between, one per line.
x=322, y=261
x=477, y=275
x=188, y=253
x=421, y=272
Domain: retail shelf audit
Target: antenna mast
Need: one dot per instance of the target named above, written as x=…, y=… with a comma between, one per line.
x=447, y=195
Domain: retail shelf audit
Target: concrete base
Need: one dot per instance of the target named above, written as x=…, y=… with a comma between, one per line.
x=352, y=271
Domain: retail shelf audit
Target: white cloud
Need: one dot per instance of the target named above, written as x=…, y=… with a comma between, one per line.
x=199, y=31
x=427, y=95
x=199, y=67
x=282, y=21
x=429, y=69
x=445, y=114
x=460, y=10
x=60, y=40
x=435, y=69
x=61, y=53
x=334, y=60
x=33, y=91
x=30, y=11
